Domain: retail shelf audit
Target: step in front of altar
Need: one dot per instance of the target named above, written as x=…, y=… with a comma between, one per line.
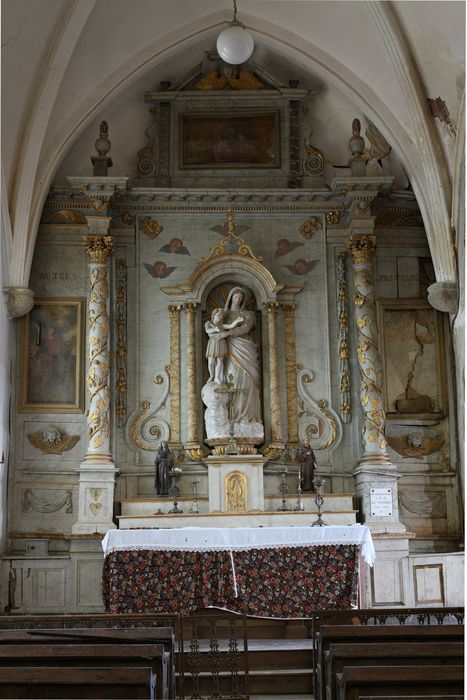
x=153, y=512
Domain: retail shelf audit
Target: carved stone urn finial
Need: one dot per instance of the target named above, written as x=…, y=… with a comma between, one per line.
x=356, y=141
x=358, y=159
x=102, y=143
x=102, y=162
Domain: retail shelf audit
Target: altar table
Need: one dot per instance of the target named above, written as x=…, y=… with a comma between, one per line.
x=268, y=572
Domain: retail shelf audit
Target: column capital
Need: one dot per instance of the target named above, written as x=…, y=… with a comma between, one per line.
x=361, y=248
x=271, y=307
x=190, y=306
x=98, y=248
x=174, y=311
x=289, y=308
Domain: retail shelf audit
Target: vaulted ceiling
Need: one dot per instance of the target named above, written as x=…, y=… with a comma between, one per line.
x=66, y=64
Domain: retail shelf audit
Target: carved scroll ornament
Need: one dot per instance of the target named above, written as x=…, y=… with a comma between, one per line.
x=146, y=429
x=318, y=422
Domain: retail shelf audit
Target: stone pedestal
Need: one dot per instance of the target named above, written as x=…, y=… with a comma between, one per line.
x=235, y=483
x=376, y=489
x=95, y=499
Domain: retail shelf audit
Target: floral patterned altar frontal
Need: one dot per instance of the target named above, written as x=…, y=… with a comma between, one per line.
x=266, y=572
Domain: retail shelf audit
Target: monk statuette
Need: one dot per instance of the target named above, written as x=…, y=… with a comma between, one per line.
x=164, y=464
x=233, y=352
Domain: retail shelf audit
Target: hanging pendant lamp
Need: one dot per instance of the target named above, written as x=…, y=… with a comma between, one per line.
x=235, y=43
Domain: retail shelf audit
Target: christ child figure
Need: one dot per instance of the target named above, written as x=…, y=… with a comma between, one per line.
x=217, y=345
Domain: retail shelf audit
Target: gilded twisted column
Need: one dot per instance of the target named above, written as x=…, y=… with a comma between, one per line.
x=174, y=316
x=343, y=349
x=192, y=445
x=291, y=373
x=274, y=388
x=98, y=248
x=362, y=248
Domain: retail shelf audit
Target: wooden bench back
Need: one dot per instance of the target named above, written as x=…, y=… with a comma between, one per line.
x=356, y=681
x=74, y=681
x=374, y=634
x=387, y=654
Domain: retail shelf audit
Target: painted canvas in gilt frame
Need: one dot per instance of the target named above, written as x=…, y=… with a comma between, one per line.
x=412, y=346
x=52, y=357
x=223, y=140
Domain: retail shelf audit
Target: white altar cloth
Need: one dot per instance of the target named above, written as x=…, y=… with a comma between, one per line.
x=234, y=539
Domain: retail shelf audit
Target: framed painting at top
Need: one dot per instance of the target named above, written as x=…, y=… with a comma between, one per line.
x=226, y=140
x=52, y=357
x=411, y=338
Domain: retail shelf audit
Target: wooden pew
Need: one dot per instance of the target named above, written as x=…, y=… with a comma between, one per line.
x=372, y=634
x=141, y=636
x=388, y=654
x=75, y=682
x=355, y=682
x=121, y=656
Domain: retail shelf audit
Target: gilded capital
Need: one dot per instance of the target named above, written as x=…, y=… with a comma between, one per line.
x=190, y=307
x=289, y=309
x=98, y=248
x=271, y=307
x=174, y=312
x=361, y=248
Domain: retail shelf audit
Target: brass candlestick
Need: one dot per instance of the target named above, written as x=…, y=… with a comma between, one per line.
x=174, y=492
x=299, y=505
x=194, y=510
x=318, y=483
x=283, y=489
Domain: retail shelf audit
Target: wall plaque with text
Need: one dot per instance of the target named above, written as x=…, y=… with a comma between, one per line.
x=381, y=501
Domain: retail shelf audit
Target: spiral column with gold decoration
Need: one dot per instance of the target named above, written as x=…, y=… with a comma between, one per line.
x=376, y=477
x=97, y=471
x=362, y=248
x=98, y=249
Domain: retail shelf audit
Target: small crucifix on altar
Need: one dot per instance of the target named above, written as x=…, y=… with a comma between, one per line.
x=232, y=448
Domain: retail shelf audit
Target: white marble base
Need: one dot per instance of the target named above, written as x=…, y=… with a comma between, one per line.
x=273, y=519
x=95, y=499
x=160, y=505
x=219, y=468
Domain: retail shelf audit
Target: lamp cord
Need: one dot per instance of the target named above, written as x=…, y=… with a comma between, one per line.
x=235, y=10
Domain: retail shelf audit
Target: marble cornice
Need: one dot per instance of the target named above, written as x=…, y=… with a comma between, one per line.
x=204, y=96
x=340, y=197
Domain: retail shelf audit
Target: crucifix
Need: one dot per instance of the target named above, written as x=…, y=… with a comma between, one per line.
x=229, y=389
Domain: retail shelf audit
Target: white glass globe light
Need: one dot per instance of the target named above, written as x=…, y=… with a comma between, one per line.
x=235, y=44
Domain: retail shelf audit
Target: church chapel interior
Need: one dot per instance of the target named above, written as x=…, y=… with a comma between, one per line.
x=232, y=262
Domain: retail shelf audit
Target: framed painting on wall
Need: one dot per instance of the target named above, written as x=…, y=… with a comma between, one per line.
x=224, y=140
x=52, y=357
x=412, y=346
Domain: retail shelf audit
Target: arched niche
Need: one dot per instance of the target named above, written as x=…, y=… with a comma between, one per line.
x=246, y=269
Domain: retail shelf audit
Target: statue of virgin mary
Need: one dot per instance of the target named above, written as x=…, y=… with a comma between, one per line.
x=241, y=364
x=241, y=370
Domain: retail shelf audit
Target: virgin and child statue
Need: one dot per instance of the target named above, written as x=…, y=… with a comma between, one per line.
x=232, y=354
